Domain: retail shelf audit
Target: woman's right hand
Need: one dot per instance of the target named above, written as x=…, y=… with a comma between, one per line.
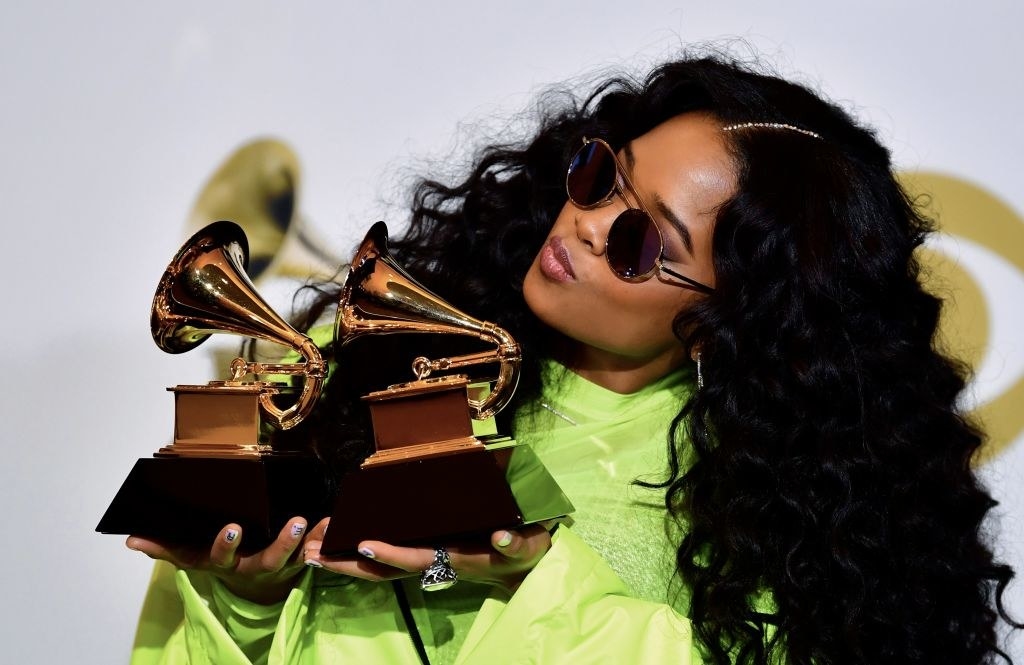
x=504, y=561
x=263, y=577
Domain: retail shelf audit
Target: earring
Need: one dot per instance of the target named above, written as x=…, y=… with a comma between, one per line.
x=700, y=374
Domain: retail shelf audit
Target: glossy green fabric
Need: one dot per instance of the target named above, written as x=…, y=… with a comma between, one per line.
x=601, y=594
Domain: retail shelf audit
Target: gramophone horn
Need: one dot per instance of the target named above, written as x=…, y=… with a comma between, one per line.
x=379, y=297
x=257, y=187
x=206, y=290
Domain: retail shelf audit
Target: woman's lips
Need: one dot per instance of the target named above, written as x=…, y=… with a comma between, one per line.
x=555, y=262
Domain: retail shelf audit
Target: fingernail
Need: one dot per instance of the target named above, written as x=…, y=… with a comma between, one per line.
x=313, y=563
x=367, y=552
x=297, y=530
x=505, y=539
x=231, y=535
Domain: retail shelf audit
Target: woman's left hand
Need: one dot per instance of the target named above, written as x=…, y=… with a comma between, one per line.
x=504, y=562
x=265, y=576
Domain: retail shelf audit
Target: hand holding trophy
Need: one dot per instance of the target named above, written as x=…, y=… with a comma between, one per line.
x=220, y=467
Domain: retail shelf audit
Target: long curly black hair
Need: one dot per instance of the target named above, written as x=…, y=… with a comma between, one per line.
x=825, y=463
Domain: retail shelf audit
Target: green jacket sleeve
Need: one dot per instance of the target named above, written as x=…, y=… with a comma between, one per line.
x=572, y=608
x=160, y=619
x=187, y=620
x=191, y=618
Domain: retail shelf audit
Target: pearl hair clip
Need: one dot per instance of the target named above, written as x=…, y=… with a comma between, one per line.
x=771, y=125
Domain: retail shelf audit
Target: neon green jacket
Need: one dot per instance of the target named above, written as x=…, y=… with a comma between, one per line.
x=604, y=592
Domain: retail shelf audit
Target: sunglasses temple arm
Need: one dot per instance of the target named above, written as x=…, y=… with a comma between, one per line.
x=692, y=282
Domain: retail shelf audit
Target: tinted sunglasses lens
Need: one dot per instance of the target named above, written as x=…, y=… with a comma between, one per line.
x=591, y=176
x=634, y=245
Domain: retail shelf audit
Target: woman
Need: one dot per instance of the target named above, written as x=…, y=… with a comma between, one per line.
x=760, y=437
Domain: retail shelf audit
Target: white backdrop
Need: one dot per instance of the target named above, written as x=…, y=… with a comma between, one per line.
x=114, y=114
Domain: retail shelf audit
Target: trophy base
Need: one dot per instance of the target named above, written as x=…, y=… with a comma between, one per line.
x=435, y=500
x=188, y=500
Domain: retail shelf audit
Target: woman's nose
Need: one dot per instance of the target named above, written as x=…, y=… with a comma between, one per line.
x=592, y=226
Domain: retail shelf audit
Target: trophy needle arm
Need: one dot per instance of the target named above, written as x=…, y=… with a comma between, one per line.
x=506, y=353
x=315, y=371
x=423, y=367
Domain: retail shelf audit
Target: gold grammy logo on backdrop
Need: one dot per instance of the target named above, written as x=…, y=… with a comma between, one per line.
x=970, y=325
x=257, y=186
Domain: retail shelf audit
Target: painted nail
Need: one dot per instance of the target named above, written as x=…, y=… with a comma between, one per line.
x=297, y=530
x=231, y=535
x=367, y=552
x=505, y=539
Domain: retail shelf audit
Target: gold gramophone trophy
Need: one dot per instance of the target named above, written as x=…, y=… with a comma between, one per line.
x=431, y=478
x=220, y=467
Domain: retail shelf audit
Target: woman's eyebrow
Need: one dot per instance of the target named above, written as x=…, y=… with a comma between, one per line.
x=674, y=220
x=659, y=203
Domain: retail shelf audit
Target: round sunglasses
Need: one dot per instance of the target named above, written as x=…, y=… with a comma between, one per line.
x=634, y=247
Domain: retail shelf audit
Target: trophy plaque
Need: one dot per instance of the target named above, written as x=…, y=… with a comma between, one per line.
x=434, y=476
x=221, y=467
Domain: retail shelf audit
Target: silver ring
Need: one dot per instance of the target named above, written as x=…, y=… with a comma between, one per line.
x=439, y=575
